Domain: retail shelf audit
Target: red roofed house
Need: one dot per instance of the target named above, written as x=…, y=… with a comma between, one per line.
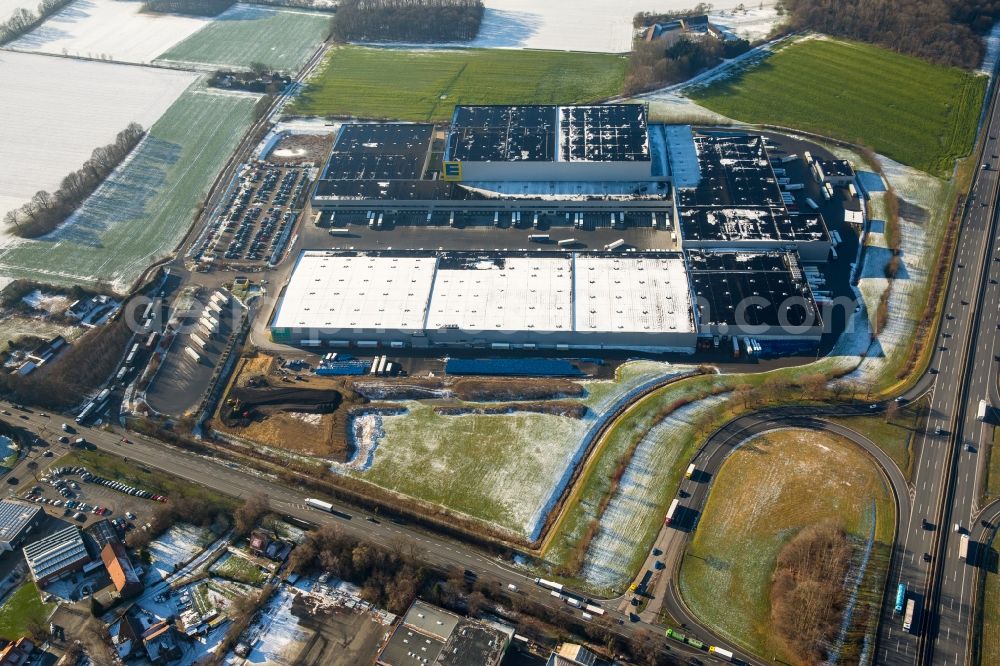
x=119, y=567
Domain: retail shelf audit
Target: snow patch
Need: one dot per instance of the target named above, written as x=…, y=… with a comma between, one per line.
x=109, y=30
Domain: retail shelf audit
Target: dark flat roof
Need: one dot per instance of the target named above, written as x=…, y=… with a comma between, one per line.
x=503, y=134
x=612, y=133
x=721, y=281
x=379, y=151
x=543, y=133
x=735, y=171
x=750, y=224
x=836, y=167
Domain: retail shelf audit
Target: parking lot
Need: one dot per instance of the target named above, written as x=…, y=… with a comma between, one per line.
x=75, y=495
x=259, y=216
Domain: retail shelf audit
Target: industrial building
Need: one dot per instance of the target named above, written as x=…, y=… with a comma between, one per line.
x=763, y=295
x=716, y=220
x=839, y=173
x=17, y=519
x=738, y=203
x=548, y=143
x=56, y=555
x=500, y=301
x=435, y=637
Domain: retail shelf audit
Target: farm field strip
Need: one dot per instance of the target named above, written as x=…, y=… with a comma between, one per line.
x=43, y=141
x=426, y=84
x=916, y=113
x=109, y=30
x=242, y=35
x=146, y=206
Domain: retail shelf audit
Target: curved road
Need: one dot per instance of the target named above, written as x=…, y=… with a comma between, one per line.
x=709, y=461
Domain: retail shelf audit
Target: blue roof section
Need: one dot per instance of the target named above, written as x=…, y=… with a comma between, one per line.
x=683, y=156
x=518, y=367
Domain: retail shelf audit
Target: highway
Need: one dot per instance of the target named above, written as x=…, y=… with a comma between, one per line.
x=949, y=468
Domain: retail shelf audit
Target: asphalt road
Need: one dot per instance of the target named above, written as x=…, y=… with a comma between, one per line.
x=709, y=460
x=947, y=473
x=433, y=549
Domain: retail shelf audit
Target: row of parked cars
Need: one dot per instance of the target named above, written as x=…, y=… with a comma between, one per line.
x=84, y=474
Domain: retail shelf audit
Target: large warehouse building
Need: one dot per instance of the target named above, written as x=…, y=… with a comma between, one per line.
x=548, y=143
x=503, y=301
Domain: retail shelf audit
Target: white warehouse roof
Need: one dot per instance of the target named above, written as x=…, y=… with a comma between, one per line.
x=335, y=291
x=617, y=294
x=472, y=292
x=521, y=294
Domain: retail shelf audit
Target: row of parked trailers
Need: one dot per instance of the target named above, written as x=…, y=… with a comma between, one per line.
x=381, y=366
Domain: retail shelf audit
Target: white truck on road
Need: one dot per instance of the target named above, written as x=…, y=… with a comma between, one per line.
x=983, y=408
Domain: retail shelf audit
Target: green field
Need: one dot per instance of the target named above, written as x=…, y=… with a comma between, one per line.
x=916, y=113
x=764, y=494
x=894, y=436
x=239, y=569
x=23, y=607
x=143, y=210
x=280, y=39
x=426, y=85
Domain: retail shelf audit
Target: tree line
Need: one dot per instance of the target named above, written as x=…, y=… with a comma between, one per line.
x=945, y=32
x=45, y=211
x=407, y=20
x=23, y=20
x=388, y=578
x=663, y=62
x=191, y=7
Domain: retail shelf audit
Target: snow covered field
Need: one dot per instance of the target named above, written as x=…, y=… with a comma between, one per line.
x=518, y=476
x=597, y=25
x=7, y=7
x=109, y=30
x=65, y=109
x=626, y=519
x=178, y=544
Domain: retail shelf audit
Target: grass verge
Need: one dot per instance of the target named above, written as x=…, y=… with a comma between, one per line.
x=23, y=608
x=917, y=113
x=426, y=85
x=767, y=491
x=894, y=434
x=160, y=483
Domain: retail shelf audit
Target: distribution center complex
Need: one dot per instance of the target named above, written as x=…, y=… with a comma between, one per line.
x=733, y=233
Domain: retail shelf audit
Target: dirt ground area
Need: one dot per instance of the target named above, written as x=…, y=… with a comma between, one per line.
x=296, y=410
x=78, y=624
x=301, y=149
x=340, y=637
